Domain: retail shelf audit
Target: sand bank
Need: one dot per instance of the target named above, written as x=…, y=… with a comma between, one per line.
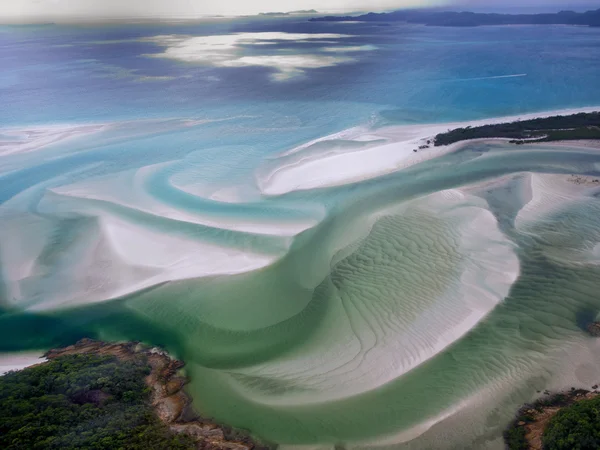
x=130, y=189
x=382, y=152
x=403, y=298
x=107, y=257
x=24, y=140
x=551, y=192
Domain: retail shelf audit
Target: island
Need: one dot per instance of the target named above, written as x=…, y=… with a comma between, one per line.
x=582, y=126
x=291, y=13
x=102, y=395
x=471, y=19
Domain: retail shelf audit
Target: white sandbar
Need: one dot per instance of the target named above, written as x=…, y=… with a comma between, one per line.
x=326, y=169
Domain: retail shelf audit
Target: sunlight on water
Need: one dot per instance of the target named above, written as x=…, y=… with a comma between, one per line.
x=329, y=276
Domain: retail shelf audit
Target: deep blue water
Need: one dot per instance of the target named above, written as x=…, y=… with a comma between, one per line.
x=416, y=74
x=115, y=233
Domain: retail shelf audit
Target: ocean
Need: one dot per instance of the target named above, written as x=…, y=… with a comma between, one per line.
x=250, y=195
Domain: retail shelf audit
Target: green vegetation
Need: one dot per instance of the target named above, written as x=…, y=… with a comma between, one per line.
x=557, y=128
x=82, y=401
x=515, y=434
x=514, y=437
x=576, y=427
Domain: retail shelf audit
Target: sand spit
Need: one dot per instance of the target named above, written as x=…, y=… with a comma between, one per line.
x=359, y=154
x=380, y=153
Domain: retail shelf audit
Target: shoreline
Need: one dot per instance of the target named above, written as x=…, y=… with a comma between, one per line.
x=362, y=129
x=171, y=403
x=526, y=430
x=531, y=419
x=582, y=143
x=559, y=127
x=331, y=161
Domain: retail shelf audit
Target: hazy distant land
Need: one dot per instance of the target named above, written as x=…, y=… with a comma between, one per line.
x=253, y=198
x=471, y=19
x=290, y=13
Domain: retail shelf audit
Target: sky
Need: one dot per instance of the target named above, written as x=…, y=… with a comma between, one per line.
x=189, y=8
x=23, y=10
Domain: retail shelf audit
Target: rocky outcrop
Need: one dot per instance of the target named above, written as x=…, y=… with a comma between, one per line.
x=585, y=180
x=594, y=329
x=533, y=419
x=169, y=399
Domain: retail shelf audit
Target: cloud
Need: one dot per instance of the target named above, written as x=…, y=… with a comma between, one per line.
x=228, y=51
x=289, y=66
x=103, y=9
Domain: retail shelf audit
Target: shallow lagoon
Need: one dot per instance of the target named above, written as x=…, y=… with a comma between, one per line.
x=387, y=298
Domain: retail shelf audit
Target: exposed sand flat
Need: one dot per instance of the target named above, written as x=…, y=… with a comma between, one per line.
x=16, y=140
x=401, y=298
x=19, y=140
x=129, y=189
x=584, y=143
x=343, y=168
x=106, y=257
x=18, y=361
x=382, y=152
x=550, y=192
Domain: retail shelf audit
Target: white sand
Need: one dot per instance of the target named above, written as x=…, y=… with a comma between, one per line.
x=584, y=143
x=127, y=189
x=19, y=140
x=385, y=330
x=327, y=170
x=549, y=193
x=106, y=258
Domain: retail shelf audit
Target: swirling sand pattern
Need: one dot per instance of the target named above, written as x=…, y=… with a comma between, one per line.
x=348, y=291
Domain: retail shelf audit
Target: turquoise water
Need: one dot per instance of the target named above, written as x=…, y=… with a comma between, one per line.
x=252, y=203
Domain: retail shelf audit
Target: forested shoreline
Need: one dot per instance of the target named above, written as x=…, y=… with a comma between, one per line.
x=555, y=128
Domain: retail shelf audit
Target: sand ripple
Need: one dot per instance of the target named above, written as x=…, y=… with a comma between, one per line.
x=321, y=293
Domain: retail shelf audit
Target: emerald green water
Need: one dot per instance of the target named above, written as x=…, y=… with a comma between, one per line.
x=246, y=195
x=418, y=313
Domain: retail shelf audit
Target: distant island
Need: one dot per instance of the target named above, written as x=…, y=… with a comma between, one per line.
x=557, y=128
x=471, y=19
x=290, y=13
x=106, y=396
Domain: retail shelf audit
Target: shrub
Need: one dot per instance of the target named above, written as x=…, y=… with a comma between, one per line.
x=576, y=427
x=82, y=401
